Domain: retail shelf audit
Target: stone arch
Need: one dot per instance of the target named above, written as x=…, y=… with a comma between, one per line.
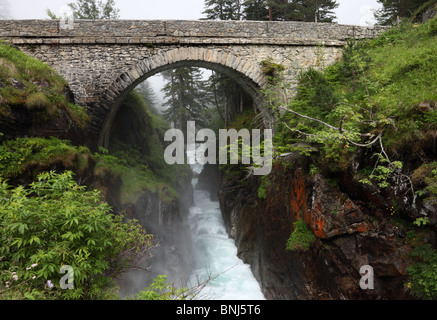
x=246, y=72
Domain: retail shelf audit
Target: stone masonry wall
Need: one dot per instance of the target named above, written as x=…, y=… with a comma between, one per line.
x=138, y=31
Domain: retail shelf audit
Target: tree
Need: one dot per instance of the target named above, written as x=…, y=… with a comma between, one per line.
x=256, y=10
x=393, y=10
x=226, y=96
x=146, y=91
x=93, y=9
x=294, y=10
x=185, y=97
x=223, y=9
x=4, y=10
x=313, y=10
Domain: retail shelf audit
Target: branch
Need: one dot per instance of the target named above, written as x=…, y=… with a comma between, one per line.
x=309, y=118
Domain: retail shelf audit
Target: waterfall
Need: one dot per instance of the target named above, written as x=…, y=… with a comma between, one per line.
x=215, y=253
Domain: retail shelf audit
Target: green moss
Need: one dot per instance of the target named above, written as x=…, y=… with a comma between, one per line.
x=271, y=69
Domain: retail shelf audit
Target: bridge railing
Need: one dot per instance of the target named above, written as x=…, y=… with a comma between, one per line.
x=162, y=31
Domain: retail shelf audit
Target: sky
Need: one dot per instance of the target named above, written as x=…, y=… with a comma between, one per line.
x=356, y=12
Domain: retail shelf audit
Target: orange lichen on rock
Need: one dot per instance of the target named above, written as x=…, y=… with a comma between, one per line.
x=364, y=226
x=297, y=195
x=318, y=228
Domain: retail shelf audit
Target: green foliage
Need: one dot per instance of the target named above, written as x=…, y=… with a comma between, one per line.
x=392, y=10
x=262, y=189
x=422, y=274
x=56, y=222
x=422, y=221
x=426, y=177
x=160, y=289
x=433, y=27
x=140, y=168
x=301, y=238
x=184, y=94
x=19, y=155
x=93, y=9
x=363, y=97
x=271, y=69
x=223, y=9
x=33, y=84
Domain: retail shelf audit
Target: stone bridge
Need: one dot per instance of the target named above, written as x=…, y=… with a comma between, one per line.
x=103, y=60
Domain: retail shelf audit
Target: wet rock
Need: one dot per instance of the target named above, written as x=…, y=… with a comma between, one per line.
x=350, y=232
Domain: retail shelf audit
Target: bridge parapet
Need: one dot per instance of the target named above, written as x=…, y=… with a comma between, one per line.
x=182, y=31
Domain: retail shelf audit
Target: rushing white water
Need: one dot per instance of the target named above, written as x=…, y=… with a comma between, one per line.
x=216, y=254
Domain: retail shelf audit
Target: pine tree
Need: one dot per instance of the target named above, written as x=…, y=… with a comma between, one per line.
x=312, y=10
x=291, y=10
x=146, y=91
x=93, y=9
x=226, y=97
x=184, y=95
x=256, y=10
x=392, y=10
x=223, y=9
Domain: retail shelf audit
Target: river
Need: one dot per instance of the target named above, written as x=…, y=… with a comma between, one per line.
x=216, y=254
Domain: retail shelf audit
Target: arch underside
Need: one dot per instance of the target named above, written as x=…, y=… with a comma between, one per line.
x=246, y=73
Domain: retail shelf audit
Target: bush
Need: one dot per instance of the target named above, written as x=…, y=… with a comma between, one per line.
x=301, y=238
x=433, y=27
x=160, y=289
x=423, y=273
x=56, y=223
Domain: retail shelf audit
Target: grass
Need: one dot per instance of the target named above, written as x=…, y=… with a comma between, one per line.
x=28, y=83
x=31, y=155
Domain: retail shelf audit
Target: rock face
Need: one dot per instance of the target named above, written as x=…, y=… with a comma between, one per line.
x=350, y=234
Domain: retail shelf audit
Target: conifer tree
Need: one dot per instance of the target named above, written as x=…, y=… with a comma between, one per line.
x=223, y=9
x=392, y=10
x=291, y=10
x=184, y=96
x=93, y=9
x=256, y=10
x=312, y=10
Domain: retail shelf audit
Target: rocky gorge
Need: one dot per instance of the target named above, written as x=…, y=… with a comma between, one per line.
x=350, y=232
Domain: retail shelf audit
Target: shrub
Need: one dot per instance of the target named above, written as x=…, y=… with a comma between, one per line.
x=301, y=238
x=433, y=27
x=160, y=289
x=55, y=223
x=423, y=273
